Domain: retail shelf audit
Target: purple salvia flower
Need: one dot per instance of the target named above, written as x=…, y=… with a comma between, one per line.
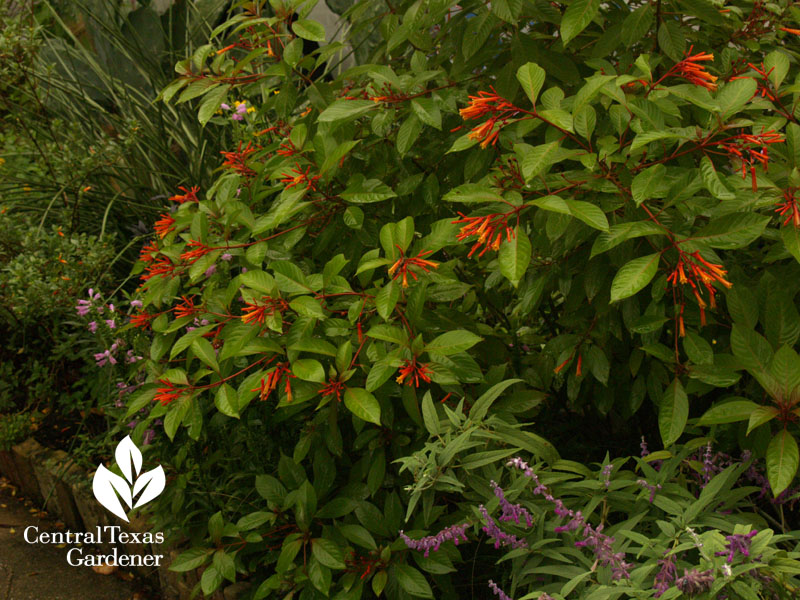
x=694, y=581
x=433, y=542
x=132, y=424
x=666, y=575
x=708, y=465
x=500, y=537
x=738, y=543
x=136, y=303
x=606, y=474
x=498, y=592
x=651, y=488
x=511, y=512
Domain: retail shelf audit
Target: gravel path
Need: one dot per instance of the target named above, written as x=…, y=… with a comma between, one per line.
x=40, y=571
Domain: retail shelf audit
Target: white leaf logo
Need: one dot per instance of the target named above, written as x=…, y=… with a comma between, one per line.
x=109, y=488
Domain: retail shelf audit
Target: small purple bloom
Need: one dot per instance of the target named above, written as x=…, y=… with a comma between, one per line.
x=242, y=108
x=695, y=582
x=132, y=424
x=83, y=308
x=606, y=474
x=148, y=436
x=136, y=303
x=226, y=257
x=211, y=270
x=665, y=576
x=738, y=543
x=111, y=324
x=111, y=307
x=237, y=117
x=511, y=512
x=500, y=537
x=224, y=106
x=651, y=488
x=92, y=326
x=432, y=542
x=498, y=592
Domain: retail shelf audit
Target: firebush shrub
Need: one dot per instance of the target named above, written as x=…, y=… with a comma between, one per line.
x=569, y=213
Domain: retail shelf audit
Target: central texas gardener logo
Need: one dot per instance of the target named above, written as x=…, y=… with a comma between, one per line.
x=108, y=487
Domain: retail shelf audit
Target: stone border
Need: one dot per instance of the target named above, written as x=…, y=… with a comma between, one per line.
x=52, y=480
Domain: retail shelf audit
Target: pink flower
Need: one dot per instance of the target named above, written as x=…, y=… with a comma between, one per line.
x=226, y=257
x=136, y=303
x=211, y=270
x=93, y=326
x=237, y=117
x=224, y=106
x=111, y=324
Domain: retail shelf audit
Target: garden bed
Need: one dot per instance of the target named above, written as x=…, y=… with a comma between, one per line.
x=52, y=479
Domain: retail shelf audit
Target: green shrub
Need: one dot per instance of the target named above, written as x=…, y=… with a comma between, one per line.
x=14, y=428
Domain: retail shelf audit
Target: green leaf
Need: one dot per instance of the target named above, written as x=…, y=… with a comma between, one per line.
x=191, y=559
x=589, y=213
x=309, y=369
x=531, y=78
x=366, y=191
x=712, y=180
x=782, y=461
x=345, y=110
x=407, y=134
x=482, y=404
x=427, y=111
x=791, y=240
x=634, y=276
x=671, y=40
x=697, y=349
x=308, y=307
x=536, y=160
x=514, y=257
x=761, y=415
x=622, y=232
x=728, y=412
x=227, y=401
x=636, y=26
x=387, y=298
x=673, y=413
x=203, y=349
x=453, y=342
x=211, y=103
x=732, y=231
x=358, y=535
x=309, y=30
x=388, y=333
x=363, y=405
x=472, y=192
x=578, y=15
x=412, y=581
x=735, y=94
x=647, y=182
x=327, y=553
x=429, y=415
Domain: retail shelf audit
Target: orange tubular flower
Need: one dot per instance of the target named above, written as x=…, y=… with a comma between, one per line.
x=273, y=379
x=258, y=313
x=299, y=177
x=401, y=266
x=237, y=160
x=333, y=388
x=162, y=267
x=490, y=230
x=412, y=371
x=187, y=196
x=142, y=320
x=491, y=104
x=787, y=30
x=200, y=250
x=752, y=149
x=146, y=253
x=287, y=149
x=168, y=393
x=696, y=271
x=164, y=225
x=789, y=208
x=693, y=72
x=186, y=309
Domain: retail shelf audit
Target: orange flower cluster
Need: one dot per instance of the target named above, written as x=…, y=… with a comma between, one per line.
x=695, y=73
x=186, y=308
x=161, y=266
x=199, y=250
x=273, y=379
x=412, y=371
x=788, y=30
x=401, y=266
x=499, y=110
x=146, y=253
x=168, y=393
x=789, y=209
x=488, y=228
x=237, y=160
x=697, y=271
x=164, y=225
x=752, y=149
x=333, y=388
x=299, y=177
x=287, y=149
x=187, y=196
x=141, y=320
x=763, y=85
x=258, y=313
